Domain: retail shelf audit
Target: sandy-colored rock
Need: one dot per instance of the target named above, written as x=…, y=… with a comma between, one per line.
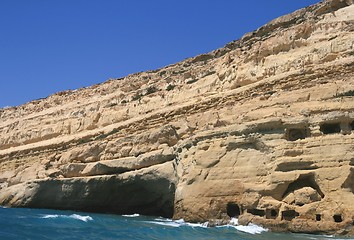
x=149, y=191
x=261, y=129
x=306, y=195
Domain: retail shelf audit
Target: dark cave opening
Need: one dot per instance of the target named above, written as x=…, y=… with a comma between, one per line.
x=293, y=134
x=272, y=213
x=337, y=218
x=233, y=210
x=289, y=215
x=330, y=128
x=256, y=212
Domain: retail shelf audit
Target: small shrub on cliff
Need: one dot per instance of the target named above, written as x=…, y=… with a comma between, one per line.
x=136, y=97
x=170, y=87
x=151, y=89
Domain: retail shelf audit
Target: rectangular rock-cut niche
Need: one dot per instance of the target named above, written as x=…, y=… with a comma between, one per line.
x=256, y=212
x=293, y=134
x=289, y=215
x=330, y=128
x=318, y=217
x=272, y=213
x=352, y=125
x=337, y=218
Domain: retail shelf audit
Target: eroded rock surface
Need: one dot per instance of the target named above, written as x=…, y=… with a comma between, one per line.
x=261, y=129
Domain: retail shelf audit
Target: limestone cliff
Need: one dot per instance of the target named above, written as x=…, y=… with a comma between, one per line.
x=261, y=129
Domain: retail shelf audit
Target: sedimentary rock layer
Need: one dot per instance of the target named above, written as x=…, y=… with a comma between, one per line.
x=261, y=129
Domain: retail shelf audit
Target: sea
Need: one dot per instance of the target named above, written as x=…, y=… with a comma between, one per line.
x=38, y=224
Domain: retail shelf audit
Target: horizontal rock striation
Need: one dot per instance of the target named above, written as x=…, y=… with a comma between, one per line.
x=261, y=129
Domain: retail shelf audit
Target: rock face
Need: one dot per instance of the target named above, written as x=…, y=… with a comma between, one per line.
x=261, y=129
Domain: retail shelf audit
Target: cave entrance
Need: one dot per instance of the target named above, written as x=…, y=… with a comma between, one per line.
x=233, y=210
x=337, y=218
x=307, y=180
x=330, y=128
x=352, y=125
x=272, y=213
x=256, y=212
x=289, y=215
x=293, y=134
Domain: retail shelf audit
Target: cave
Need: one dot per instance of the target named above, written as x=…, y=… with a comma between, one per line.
x=151, y=196
x=337, y=218
x=305, y=180
x=330, y=128
x=272, y=213
x=289, y=215
x=256, y=212
x=352, y=125
x=293, y=134
x=233, y=210
x=318, y=217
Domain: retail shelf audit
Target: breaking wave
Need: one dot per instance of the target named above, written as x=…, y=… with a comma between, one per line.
x=176, y=223
x=132, y=215
x=250, y=228
x=72, y=216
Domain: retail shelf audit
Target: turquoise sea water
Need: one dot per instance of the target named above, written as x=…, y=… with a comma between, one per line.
x=38, y=224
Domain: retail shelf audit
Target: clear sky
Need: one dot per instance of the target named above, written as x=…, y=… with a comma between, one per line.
x=48, y=46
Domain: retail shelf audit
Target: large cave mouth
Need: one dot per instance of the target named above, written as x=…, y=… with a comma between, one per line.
x=305, y=180
x=145, y=196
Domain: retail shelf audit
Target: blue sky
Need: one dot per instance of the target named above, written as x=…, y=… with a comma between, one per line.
x=48, y=46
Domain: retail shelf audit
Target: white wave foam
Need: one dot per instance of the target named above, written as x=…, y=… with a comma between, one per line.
x=234, y=221
x=82, y=218
x=168, y=224
x=177, y=223
x=332, y=237
x=132, y=215
x=201, y=225
x=72, y=216
x=250, y=228
x=50, y=216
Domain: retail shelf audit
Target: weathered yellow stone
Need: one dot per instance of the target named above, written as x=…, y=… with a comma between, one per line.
x=262, y=129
